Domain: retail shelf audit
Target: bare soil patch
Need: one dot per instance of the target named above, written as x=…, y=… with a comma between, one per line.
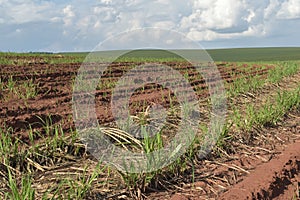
x=55, y=86
x=266, y=168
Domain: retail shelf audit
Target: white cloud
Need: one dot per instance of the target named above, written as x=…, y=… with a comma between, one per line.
x=271, y=9
x=207, y=35
x=251, y=16
x=107, y=2
x=26, y=11
x=214, y=14
x=215, y=19
x=164, y=24
x=106, y=14
x=68, y=11
x=228, y=19
x=68, y=15
x=289, y=10
x=80, y=24
x=148, y=38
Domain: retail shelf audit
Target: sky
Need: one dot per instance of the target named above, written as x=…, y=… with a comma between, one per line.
x=79, y=25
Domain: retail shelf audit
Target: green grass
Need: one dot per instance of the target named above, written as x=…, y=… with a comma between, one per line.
x=22, y=90
x=23, y=158
x=26, y=191
x=269, y=113
x=255, y=54
x=246, y=84
x=80, y=186
x=56, y=146
x=21, y=59
x=227, y=55
x=283, y=69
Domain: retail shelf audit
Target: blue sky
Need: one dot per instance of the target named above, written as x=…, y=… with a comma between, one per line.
x=79, y=25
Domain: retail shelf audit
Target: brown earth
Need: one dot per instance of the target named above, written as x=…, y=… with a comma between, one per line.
x=263, y=170
x=255, y=172
x=54, y=93
x=278, y=178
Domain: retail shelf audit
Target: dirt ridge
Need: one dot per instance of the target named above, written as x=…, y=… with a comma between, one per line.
x=271, y=180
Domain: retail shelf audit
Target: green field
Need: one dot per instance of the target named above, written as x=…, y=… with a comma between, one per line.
x=44, y=156
x=228, y=55
x=256, y=54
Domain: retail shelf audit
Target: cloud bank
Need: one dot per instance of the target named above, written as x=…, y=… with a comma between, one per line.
x=33, y=25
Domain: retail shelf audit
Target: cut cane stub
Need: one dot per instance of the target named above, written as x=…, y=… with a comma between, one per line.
x=133, y=43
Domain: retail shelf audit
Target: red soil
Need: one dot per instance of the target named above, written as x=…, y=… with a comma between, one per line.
x=277, y=179
x=55, y=92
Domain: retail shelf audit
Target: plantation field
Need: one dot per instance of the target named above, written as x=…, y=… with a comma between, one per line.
x=43, y=157
x=218, y=55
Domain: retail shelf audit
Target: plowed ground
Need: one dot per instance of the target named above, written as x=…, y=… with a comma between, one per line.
x=55, y=86
x=53, y=102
